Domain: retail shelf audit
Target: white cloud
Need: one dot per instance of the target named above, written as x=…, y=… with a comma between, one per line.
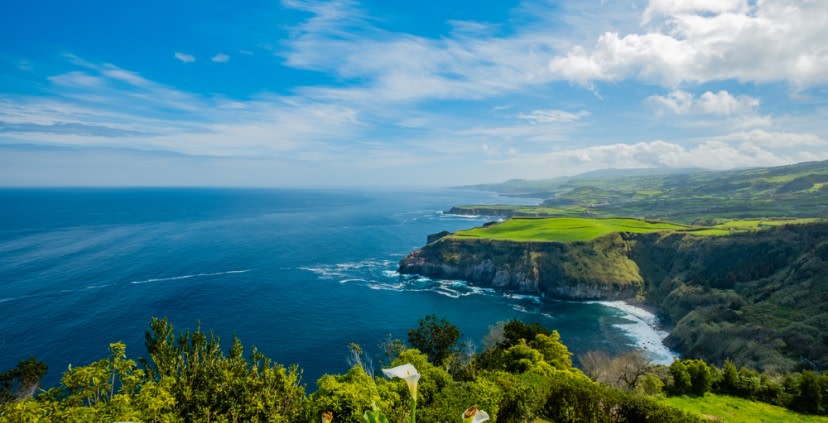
x=184, y=57
x=220, y=58
x=553, y=116
x=708, y=40
x=720, y=103
x=724, y=153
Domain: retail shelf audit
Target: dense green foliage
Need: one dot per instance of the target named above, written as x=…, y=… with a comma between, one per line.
x=187, y=378
x=21, y=381
x=802, y=392
x=434, y=337
x=525, y=374
x=760, y=299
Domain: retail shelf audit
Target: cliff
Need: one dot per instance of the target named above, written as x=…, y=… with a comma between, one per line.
x=759, y=298
x=598, y=269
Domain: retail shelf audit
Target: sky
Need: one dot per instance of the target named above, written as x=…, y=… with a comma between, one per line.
x=305, y=93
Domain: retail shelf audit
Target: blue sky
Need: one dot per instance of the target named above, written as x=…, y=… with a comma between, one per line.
x=404, y=93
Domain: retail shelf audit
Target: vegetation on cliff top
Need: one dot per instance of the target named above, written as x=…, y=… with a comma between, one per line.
x=565, y=229
x=572, y=229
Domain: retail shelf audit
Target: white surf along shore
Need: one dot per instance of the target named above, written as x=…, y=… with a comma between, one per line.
x=646, y=329
x=642, y=326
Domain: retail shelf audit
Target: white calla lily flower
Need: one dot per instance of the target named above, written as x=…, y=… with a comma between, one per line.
x=474, y=415
x=407, y=372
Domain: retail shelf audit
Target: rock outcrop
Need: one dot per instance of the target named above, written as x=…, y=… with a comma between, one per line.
x=599, y=269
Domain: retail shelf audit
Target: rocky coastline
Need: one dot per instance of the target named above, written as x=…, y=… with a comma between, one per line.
x=595, y=270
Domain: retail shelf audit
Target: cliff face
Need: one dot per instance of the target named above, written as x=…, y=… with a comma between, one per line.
x=599, y=269
x=481, y=211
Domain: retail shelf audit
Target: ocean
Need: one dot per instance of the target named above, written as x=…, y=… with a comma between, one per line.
x=300, y=274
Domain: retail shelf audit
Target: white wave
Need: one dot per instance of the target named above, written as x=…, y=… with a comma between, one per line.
x=198, y=275
x=548, y=316
x=536, y=299
x=324, y=272
x=99, y=286
x=645, y=329
x=390, y=273
x=520, y=308
x=345, y=270
x=353, y=280
x=445, y=293
x=482, y=290
x=449, y=216
x=3, y=300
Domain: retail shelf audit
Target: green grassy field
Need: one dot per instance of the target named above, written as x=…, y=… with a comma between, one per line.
x=750, y=225
x=571, y=229
x=565, y=229
x=738, y=410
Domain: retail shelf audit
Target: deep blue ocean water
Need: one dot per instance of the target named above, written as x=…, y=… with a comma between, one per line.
x=298, y=273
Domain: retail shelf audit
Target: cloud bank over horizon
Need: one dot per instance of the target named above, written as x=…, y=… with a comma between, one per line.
x=334, y=93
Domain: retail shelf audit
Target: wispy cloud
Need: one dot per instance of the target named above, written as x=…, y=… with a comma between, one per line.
x=104, y=105
x=184, y=57
x=220, y=58
x=340, y=38
x=553, y=116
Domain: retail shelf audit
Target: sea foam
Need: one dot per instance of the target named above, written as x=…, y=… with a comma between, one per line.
x=197, y=275
x=645, y=328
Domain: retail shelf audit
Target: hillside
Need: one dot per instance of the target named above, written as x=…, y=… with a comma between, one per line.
x=687, y=197
x=758, y=295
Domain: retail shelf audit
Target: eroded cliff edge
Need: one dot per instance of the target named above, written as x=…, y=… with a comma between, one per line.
x=598, y=269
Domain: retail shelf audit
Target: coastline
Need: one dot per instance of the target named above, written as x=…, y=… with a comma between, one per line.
x=645, y=328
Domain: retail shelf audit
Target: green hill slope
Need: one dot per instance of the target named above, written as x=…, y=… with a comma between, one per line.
x=787, y=191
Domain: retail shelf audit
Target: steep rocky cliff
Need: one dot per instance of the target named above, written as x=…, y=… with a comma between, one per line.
x=598, y=269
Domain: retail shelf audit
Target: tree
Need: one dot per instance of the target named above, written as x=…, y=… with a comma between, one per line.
x=554, y=352
x=701, y=379
x=623, y=372
x=730, y=378
x=22, y=381
x=434, y=337
x=682, y=383
x=809, y=398
x=515, y=330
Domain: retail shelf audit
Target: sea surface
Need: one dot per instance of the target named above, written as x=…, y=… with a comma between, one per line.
x=300, y=274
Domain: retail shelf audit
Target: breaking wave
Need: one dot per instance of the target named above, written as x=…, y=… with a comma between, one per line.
x=197, y=275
